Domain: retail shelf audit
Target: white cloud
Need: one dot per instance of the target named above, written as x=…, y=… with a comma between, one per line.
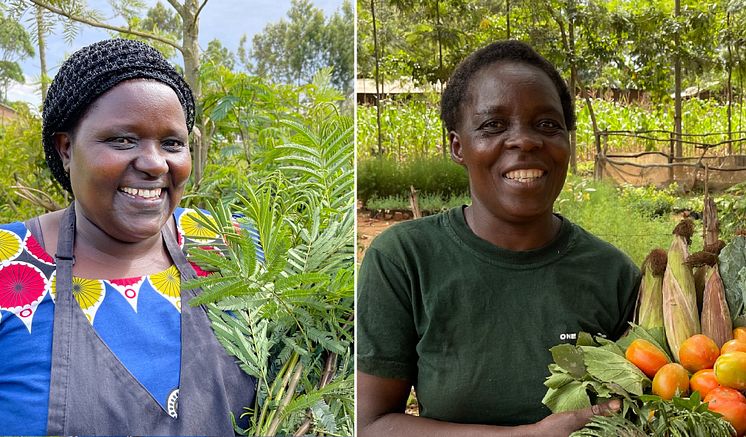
x=28, y=92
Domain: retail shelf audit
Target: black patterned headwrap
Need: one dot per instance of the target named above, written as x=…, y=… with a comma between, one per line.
x=92, y=71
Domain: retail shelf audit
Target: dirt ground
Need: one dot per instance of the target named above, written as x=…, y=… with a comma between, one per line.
x=369, y=225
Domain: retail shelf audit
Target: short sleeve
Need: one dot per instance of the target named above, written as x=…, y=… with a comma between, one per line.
x=386, y=335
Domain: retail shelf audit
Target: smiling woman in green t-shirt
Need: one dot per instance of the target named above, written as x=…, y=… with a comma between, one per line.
x=465, y=305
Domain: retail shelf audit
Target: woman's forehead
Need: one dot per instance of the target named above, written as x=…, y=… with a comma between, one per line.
x=505, y=79
x=134, y=93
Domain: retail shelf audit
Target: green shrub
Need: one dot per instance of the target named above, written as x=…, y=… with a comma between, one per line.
x=383, y=178
x=649, y=200
x=428, y=203
x=598, y=207
x=731, y=207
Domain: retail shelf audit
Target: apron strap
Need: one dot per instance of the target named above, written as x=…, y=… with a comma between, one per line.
x=177, y=255
x=62, y=329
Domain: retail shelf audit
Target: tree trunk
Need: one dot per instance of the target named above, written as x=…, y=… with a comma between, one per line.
x=190, y=52
x=573, y=80
x=507, y=15
x=444, y=147
x=729, y=87
x=42, y=51
x=677, y=84
x=377, y=79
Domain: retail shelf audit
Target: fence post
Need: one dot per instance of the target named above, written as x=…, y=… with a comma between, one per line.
x=598, y=164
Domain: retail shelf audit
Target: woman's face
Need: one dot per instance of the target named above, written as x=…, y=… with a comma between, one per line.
x=513, y=141
x=129, y=159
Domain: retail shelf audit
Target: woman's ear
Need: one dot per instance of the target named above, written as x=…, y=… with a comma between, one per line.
x=457, y=153
x=63, y=143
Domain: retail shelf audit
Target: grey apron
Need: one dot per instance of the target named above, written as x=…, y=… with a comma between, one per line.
x=91, y=392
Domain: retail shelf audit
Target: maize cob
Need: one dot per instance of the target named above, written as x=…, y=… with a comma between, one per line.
x=715, y=315
x=680, y=313
x=716, y=321
x=701, y=262
x=650, y=297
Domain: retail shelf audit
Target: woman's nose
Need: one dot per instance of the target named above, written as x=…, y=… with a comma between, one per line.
x=152, y=159
x=523, y=137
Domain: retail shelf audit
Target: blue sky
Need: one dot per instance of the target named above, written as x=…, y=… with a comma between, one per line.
x=226, y=20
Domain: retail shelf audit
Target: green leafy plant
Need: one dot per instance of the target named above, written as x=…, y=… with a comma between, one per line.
x=288, y=319
x=383, y=177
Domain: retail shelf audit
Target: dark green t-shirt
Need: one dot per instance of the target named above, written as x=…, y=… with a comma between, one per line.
x=471, y=324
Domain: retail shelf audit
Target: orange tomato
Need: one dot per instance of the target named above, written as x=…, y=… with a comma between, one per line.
x=733, y=346
x=671, y=380
x=646, y=356
x=703, y=381
x=731, y=404
x=739, y=333
x=698, y=352
x=730, y=370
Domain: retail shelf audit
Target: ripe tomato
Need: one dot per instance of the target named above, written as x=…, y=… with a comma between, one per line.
x=731, y=404
x=698, y=352
x=703, y=381
x=733, y=346
x=646, y=356
x=671, y=380
x=730, y=370
x=739, y=333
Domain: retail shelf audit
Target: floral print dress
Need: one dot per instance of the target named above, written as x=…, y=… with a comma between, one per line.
x=137, y=318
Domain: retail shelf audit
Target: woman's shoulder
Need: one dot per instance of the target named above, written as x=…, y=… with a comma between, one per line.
x=416, y=233
x=587, y=242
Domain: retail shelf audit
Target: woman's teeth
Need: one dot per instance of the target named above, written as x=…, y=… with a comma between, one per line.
x=525, y=175
x=138, y=192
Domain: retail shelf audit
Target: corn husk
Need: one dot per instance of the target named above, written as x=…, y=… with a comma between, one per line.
x=650, y=298
x=680, y=313
x=701, y=263
x=700, y=276
x=716, y=321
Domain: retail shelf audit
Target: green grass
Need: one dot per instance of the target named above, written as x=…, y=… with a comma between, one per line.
x=599, y=208
x=429, y=203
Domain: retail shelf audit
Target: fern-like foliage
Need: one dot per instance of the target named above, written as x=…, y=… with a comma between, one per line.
x=285, y=309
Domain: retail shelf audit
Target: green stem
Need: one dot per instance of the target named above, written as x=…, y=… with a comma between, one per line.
x=276, y=391
x=285, y=400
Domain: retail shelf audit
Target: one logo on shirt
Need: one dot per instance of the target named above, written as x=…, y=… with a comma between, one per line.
x=568, y=336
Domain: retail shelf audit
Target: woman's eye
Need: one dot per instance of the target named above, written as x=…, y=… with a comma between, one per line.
x=493, y=125
x=550, y=125
x=174, y=145
x=124, y=142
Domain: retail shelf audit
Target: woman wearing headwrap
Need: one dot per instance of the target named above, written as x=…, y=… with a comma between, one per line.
x=94, y=337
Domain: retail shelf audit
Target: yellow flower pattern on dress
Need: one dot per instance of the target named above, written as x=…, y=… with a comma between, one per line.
x=10, y=245
x=88, y=292
x=192, y=226
x=168, y=284
x=53, y=286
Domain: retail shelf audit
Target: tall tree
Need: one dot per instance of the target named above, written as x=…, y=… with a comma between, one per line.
x=293, y=49
x=217, y=54
x=15, y=45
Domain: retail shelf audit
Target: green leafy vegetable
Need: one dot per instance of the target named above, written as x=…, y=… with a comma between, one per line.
x=732, y=261
x=607, y=366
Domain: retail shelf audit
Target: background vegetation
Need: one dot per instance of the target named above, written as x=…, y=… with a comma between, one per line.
x=273, y=150
x=626, y=61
